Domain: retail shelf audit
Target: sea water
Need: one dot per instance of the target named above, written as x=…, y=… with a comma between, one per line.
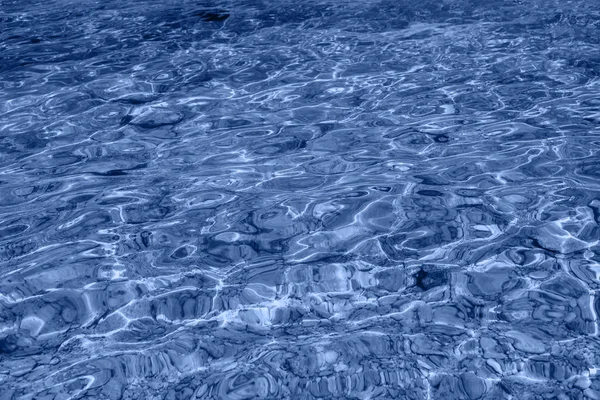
x=299, y=199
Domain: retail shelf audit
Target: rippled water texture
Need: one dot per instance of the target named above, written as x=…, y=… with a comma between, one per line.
x=307, y=199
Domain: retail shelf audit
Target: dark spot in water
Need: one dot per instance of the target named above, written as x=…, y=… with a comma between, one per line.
x=212, y=16
x=8, y=344
x=426, y=280
x=181, y=252
x=125, y=120
x=145, y=235
x=115, y=172
x=419, y=279
x=120, y=172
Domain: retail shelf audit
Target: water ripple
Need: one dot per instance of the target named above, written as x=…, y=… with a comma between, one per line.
x=299, y=200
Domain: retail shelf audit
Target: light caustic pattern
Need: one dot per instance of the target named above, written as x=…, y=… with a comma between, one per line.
x=299, y=199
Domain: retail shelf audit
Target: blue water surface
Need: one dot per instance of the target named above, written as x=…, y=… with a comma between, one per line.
x=299, y=199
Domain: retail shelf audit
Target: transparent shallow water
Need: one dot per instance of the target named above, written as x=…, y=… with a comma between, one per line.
x=299, y=199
